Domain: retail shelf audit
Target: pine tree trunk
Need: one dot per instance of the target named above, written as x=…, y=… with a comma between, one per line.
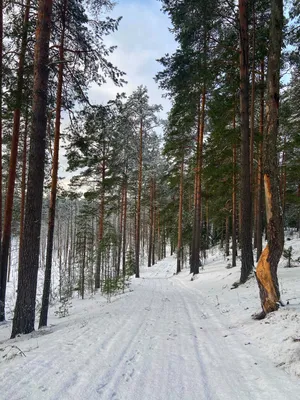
x=124, y=229
x=121, y=231
x=13, y=165
x=180, y=211
x=1, y=134
x=259, y=200
x=24, y=315
x=154, y=222
x=101, y=224
x=246, y=207
x=138, y=206
x=53, y=194
x=227, y=236
x=197, y=215
x=266, y=270
x=234, y=202
x=23, y=184
x=151, y=224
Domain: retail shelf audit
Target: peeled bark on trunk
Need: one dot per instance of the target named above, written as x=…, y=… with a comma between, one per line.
x=52, y=207
x=179, y=243
x=259, y=200
x=138, y=206
x=246, y=206
x=24, y=315
x=266, y=270
x=13, y=165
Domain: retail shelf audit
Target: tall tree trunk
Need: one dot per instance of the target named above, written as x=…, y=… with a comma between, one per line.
x=52, y=207
x=180, y=211
x=121, y=230
x=101, y=223
x=13, y=165
x=259, y=200
x=24, y=315
x=124, y=229
x=154, y=222
x=246, y=207
x=1, y=103
x=138, y=206
x=266, y=270
x=197, y=217
x=234, y=189
x=227, y=236
x=23, y=184
x=151, y=223
x=283, y=179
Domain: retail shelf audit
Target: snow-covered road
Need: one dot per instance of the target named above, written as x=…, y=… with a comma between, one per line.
x=162, y=341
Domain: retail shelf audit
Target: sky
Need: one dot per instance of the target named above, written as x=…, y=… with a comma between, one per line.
x=142, y=38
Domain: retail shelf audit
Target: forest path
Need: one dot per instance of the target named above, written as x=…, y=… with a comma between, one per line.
x=162, y=341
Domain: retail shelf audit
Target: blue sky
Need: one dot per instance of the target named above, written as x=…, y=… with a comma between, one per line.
x=143, y=37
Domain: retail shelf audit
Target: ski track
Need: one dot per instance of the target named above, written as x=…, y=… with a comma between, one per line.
x=163, y=341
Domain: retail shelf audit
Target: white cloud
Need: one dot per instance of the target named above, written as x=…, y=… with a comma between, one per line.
x=142, y=38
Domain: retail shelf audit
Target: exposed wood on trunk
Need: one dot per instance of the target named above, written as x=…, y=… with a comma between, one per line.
x=13, y=164
x=246, y=203
x=266, y=271
x=24, y=315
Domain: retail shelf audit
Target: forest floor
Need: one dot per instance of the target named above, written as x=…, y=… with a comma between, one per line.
x=168, y=338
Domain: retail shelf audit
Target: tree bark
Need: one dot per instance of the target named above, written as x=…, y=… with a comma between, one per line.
x=266, y=270
x=13, y=165
x=1, y=134
x=179, y=243
x=23, y=184
x=195, y=259
x=259, y=200
x=101, y=222
x=151, y=223
x=53, y=194
x=24, y=315
x=138, y=205
x=246, y=207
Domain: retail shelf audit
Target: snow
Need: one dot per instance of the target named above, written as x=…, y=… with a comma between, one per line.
x=168, y=338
